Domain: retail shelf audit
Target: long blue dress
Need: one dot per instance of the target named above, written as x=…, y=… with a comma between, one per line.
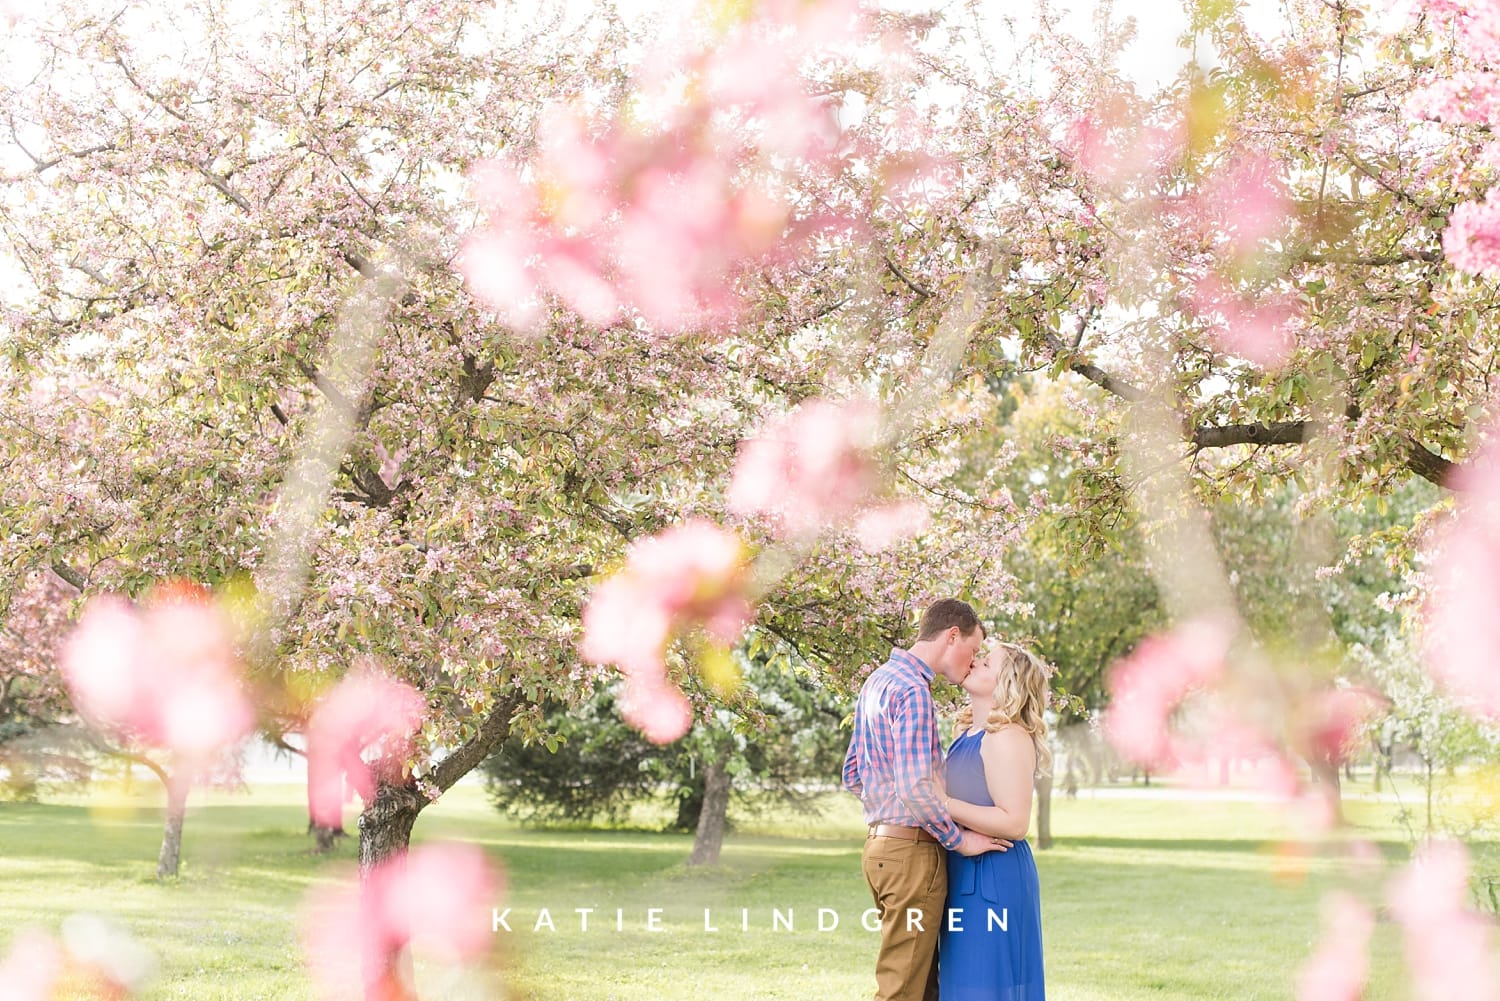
x=991, y=949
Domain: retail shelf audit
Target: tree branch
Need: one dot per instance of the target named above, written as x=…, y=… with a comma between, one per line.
x=1279, y=433
x=141, y=759
x=70, y=575
x=1419, y=459
x=1093, y=373
x=468, y=755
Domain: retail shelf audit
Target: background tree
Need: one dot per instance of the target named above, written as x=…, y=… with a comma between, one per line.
x=40, y=740
x=777, y=740
x=278, y=190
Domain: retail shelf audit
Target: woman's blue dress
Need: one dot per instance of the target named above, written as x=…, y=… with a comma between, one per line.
x=990, y=947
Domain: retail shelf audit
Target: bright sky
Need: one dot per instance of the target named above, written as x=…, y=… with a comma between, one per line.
x=1151, y=60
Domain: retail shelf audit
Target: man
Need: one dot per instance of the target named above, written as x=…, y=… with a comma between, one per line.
x=893, y=767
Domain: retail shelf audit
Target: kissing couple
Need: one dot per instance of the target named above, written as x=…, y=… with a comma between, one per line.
x=946, y=856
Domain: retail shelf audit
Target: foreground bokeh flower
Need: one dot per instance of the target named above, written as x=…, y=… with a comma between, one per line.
x=164, y=673
x=690, y=576
x=365, y=709
x=434, y=902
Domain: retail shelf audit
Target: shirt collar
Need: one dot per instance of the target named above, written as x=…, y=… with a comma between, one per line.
x=912, y=662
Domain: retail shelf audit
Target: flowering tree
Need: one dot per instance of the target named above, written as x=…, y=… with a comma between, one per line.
x=36, y=732
x=720, y=317
x=193, y=220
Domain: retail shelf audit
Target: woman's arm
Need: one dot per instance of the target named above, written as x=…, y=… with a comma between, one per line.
x=1009, y=761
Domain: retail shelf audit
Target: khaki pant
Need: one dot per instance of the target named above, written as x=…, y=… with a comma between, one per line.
x=909, y=881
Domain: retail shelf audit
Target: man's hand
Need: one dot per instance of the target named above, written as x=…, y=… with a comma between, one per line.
x=974, y=843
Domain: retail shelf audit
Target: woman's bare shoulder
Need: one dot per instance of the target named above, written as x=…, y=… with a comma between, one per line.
x=1008, y=739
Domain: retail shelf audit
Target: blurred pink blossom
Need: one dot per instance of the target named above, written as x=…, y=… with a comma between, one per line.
x=365, y=709
x=657, y=709
x=1462, y=613
x=1449, y=948
x=1148, y=685
x=1247, y=201
x=621, y=216
x=691, y=575
x=1338, y=970
x=810, y=468
x=32, y=968
x=1472, y=239
x=1259, y=331
x=165, y=673
x=1337, y=718
x=435, y=901
x=880, y=528
x=1468, y=95
x=1112, y=146
x=1217, y=734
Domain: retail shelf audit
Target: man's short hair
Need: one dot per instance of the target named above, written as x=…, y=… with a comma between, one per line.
x=946, y=613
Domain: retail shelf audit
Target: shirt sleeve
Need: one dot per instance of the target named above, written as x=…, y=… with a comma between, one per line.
x=852, y=781
x=914, y=724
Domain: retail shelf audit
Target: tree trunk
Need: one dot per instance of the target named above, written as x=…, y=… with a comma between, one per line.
x=710, y=836
x=1044, y=811
x=1326, y=775
x=325, y=836
x=386, y=823
x=171, y=839
x=385, y=828
x=689, y=804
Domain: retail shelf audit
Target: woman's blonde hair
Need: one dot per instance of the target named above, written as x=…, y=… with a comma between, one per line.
x=1020, y=698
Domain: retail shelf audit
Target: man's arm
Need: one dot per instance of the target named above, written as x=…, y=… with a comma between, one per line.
x=852, y=780
x=913, y=723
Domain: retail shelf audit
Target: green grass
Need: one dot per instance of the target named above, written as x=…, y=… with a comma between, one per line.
x=1142, y=898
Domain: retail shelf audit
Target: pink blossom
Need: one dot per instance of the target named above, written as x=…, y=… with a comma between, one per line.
x=882, y=527
x=1148, y=685
x=1476, y=23
x=165, y=674
x=1462, y=613
x=1465, y=97
x=812, y=467
x=364, y=709
x=1259, y=331
x=1246, y=200
x=1472, y=239
x=32, y=968
x=1337, y=718
x=435, y=901
x=617, y=218
x=658, y=709
x=692, y=575
x=1338, y=970
x=1449, y=948
x=1112, y=147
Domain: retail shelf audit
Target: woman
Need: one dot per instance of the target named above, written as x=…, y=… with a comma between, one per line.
x=990, y=947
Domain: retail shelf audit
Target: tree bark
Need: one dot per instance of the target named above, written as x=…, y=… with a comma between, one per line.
x=1044, y=812
x=710, y=837
x=325, y=836
x=386, y=823
x=171, y=840
x=1419, y=458
x=1326, y=775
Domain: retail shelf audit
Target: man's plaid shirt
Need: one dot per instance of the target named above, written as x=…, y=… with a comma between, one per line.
x=894, y=763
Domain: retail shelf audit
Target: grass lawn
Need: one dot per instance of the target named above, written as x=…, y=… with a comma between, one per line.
x=1142, y=898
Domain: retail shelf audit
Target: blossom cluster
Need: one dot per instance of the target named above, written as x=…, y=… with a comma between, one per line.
x=625, y=216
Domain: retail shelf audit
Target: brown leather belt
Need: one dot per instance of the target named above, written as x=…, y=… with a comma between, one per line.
x=897, y=831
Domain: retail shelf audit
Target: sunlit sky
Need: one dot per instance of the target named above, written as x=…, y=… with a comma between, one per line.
x=1151, y=60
